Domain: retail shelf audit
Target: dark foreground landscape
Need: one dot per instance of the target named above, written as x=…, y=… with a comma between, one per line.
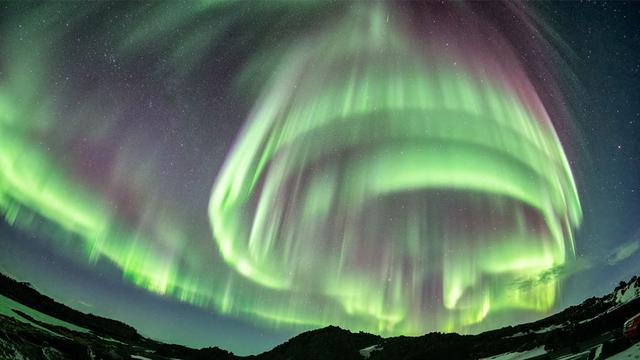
x=35, y=326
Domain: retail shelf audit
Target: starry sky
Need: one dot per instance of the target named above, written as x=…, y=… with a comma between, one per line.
x=233, y=173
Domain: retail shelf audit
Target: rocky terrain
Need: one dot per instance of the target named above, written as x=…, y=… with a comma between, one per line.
x=35, y=326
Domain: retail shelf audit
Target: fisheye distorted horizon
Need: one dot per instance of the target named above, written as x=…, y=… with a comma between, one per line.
x=395, y=168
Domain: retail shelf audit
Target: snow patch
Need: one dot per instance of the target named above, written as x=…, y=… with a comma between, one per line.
x=50, y=353
x=627, y=294
x=587, y=320
x=539, y=331
x=110, y=339
x=549, y=328
x=92, y=356
x=7, y=307
x=598, y=352
x=518, y=355
x=366, y=352
x=579, y=356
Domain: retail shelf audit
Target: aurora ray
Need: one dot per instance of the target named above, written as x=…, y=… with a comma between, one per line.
x=385, y=182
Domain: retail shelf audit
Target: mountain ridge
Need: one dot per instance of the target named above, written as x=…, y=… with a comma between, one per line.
x=594, y=326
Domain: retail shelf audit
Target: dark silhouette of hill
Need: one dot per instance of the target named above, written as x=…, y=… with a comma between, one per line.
x=330, y=342
x=597, y=322
x=23, y=293
x=107, y=338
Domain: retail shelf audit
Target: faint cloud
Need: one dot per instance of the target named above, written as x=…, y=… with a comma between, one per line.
x=555, y=273
x=623, y=251
x=85, y=304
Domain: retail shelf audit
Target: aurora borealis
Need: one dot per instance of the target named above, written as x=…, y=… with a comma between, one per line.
x=346, y=178
x=389, y=168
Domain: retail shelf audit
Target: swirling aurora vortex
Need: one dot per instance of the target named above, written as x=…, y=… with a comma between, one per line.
x=383, y=184
x=377, y=185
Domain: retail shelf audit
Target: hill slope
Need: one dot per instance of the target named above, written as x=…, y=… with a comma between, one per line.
x=35, y=326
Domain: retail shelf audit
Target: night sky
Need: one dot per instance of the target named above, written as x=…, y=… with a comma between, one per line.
x=233, y=173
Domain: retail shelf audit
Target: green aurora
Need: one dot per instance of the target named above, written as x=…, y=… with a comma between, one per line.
x=375, y=185
x=343, y=187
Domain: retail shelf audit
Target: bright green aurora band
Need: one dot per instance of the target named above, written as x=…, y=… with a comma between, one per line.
x=377, y=181
x=376, y=186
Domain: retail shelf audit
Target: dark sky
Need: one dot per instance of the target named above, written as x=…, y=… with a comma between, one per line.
x=117, y=118
x=602, y=41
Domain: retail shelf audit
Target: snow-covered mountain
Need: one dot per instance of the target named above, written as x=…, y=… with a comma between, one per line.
x=627, y=292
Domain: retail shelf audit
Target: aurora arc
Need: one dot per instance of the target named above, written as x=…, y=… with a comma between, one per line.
x=336, y=204
x=351, y=166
